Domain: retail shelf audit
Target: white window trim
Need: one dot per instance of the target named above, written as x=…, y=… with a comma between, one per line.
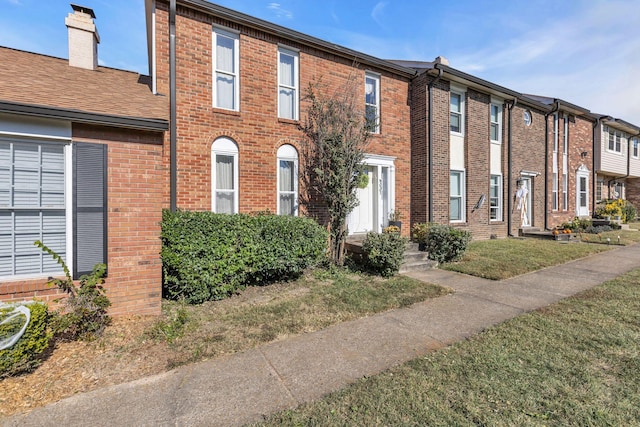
x=618, y=136
x=236, y=62
x=499, y=216
x=376, y=78
x=68, y=199
x=556, y=127
x=286, y=153
x=463, y=196
x=499, y=122
x=565, y=195
x=463, y=94
x=226, y=147
x=296, y=88
x=565, y=147
x=554, y=191
x=635, y=147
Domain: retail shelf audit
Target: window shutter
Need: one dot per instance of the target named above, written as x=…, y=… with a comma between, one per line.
x=89, y=207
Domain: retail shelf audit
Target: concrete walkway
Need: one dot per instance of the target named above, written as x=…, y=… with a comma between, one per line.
x=241, y=388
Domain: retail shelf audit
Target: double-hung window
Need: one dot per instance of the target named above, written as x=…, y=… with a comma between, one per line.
x=615, y=141
x=554, y=191
x=496, y=123
x=456, y=112
x=54, y=192
x=635, y=149
x=495, y=198
x=288, y=92
x=224, y=176
x=226, y=86
x=565, y=195
x=287, y=180
x=457, y=196
x=372, y=101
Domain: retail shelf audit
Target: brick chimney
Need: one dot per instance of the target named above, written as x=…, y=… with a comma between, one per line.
x=83, y=38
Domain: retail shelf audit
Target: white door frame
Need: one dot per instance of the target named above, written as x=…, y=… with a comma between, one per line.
x=385, y=194
x=582, y=172
x=526, y=219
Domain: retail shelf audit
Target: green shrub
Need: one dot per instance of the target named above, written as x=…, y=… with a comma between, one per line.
x=446, y=244
x=208, y=256
x=384, y=252
x=26, y=354
x=420, y=231
x=85, y=309
x=629, y=212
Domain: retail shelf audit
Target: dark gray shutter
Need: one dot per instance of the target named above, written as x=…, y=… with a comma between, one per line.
x=89, y=207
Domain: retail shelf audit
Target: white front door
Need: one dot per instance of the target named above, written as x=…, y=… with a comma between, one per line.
x=582, y=192
x=525, y=207
x=376, y=200
x=361, y=219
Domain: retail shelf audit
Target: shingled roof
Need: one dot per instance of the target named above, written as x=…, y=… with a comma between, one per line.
x=33, y=80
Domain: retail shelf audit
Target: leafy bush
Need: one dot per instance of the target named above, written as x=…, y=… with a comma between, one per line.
x=420, y=231
x=384, y=252
x=445, y=243
x=577, y=224
x=208, y=256
x=85, y=309
x=629, y=212
x=597, y=229
x=26, y=354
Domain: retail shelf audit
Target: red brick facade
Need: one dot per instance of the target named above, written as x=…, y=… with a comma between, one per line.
x=136, y=179
x=256, y=128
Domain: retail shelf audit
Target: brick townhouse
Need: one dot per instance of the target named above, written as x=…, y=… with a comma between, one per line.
x=81, y=149
x=474, y=144
x=240, y=85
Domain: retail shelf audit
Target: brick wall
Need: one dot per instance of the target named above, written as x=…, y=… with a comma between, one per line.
x=135, y=200
x=256, y=129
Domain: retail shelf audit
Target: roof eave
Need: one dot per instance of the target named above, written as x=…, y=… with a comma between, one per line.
x=259, y=24
x=488, y=87
x=76, y=116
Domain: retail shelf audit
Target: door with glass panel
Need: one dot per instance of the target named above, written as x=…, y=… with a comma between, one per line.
x=582, y=193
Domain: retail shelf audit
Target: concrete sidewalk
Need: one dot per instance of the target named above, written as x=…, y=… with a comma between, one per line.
x=241, y=388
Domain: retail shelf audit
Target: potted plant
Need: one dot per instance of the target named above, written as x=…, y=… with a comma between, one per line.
x=419, y=234
x=394, y=218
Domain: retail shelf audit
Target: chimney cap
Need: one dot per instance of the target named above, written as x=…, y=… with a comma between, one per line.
x=83, y=9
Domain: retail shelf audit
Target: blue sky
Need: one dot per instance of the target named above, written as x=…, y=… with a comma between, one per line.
x=584, y=51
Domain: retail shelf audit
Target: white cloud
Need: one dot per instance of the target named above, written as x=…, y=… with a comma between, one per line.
x=279, y=11
x=378, y=12
x=589, y=58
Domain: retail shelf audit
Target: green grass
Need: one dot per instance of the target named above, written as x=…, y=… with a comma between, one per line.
x=278, y=311
x=504, y=258
x=576, y=363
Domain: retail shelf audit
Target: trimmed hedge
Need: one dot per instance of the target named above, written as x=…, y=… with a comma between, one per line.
x=26, y=354
x=384, y=252
x=445, y=243
x=208, y=256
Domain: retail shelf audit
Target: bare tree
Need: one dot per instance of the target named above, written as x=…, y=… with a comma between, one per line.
x=336, y=136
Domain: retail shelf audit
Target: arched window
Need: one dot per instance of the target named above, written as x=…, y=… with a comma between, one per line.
x=224, y=176
x=287, y=180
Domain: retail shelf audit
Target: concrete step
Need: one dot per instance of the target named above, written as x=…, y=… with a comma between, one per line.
x=417, y=266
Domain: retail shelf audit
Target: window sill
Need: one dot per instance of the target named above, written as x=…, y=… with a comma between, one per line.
x=288, y=121
x=226, y=112
x=460, y=134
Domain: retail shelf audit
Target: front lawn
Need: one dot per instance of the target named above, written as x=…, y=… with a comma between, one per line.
x=575, y=363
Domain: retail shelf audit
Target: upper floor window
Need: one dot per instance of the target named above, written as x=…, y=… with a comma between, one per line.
x=496, y=122
x=456, y=112
x=226, y=59
x=565, y=148
x=555, y=132
x=615, y=141
x=288, y=84
x=372, y=101
x=635, y=149
x=224, y=176
x=287, y=180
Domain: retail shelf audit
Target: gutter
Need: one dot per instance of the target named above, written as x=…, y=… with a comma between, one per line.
x=173, y=166
x=430, y=141
x=510, y=105
x=77, y=116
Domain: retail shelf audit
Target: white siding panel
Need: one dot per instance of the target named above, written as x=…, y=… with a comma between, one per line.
x=456, y=152
x=496, y=159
